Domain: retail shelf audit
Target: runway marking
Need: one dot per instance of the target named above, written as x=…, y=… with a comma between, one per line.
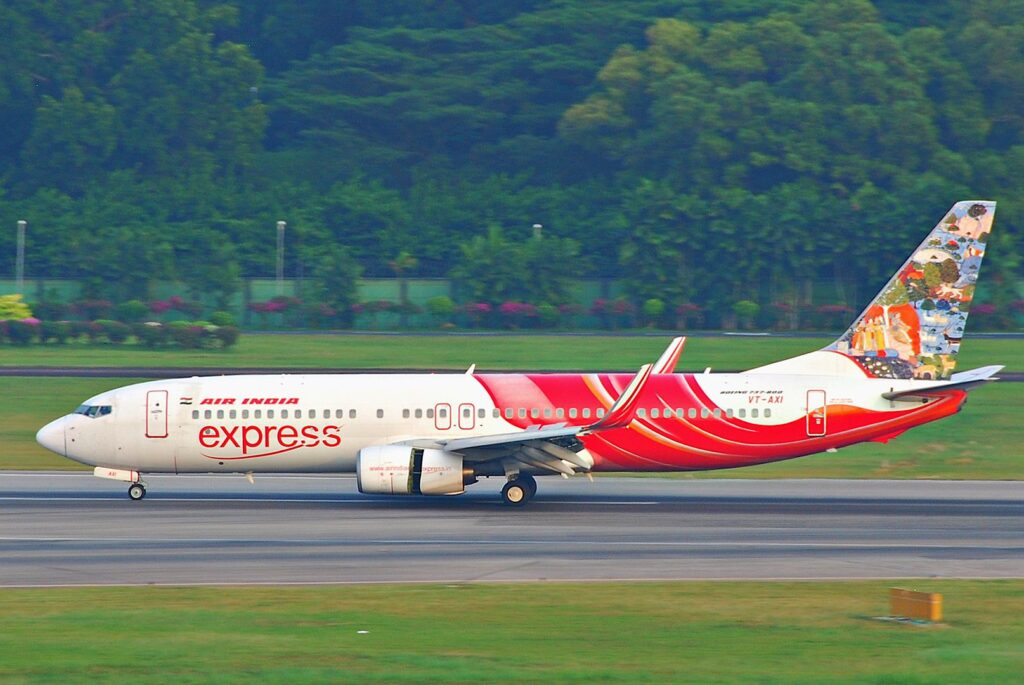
x=303, y=500
x=509, y=543
x=456, y=583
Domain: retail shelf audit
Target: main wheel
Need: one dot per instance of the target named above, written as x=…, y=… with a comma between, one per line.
x=516, y=493
x=530, y=482
x=137, y=491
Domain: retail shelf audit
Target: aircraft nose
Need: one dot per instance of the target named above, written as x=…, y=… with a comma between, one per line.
x=51, y=436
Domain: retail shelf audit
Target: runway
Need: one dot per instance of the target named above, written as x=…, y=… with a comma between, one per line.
x=72, y=529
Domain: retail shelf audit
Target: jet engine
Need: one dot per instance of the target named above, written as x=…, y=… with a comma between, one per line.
x=402, y=470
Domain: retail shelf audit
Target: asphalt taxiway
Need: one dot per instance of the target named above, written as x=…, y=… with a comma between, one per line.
x=72, y=529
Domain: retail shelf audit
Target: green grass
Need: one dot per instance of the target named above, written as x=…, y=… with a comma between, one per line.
x=458, y=352
x=721, y=632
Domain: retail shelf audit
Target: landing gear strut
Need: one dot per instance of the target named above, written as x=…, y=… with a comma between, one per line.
x=518, y=491
x=136, y=491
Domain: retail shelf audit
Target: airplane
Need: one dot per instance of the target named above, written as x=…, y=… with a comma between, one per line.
x=436, y=434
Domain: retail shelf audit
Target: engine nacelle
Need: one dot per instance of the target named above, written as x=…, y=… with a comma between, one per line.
x=401, y=470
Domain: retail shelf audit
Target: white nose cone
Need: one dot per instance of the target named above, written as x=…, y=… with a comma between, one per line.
x=51, y=436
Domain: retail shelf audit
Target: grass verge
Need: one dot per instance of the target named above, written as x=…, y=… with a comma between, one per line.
x=704, y=632
x=496, y=352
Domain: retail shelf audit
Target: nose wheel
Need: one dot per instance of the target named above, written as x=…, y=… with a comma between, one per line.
x=519, y=491
x=136, y=491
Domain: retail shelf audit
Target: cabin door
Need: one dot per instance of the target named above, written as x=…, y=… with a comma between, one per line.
x=816, y=413
x=467, y=416
x=442, y=416
x=156, y=414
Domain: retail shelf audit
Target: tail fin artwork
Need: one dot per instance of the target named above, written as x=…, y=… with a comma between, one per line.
x=913, y=327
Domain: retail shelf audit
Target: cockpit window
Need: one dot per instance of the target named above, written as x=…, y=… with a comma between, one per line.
x=93, y=410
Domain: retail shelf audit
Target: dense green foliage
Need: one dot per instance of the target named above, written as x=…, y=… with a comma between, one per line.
x=703, y=152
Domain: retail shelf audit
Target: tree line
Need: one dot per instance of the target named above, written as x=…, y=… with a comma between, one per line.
x=706, y=153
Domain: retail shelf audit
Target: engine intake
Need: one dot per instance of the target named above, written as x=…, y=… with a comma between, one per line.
x=401, y=470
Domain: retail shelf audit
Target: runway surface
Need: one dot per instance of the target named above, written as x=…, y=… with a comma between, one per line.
x=73, y=529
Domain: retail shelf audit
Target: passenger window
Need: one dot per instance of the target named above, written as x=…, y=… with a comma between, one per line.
x=600, y=412
x=743, y=413
x=481, y=413
x=753, y=413
x=405, y=413
x=232, y=414
x=270, y=413
x=419, y=413
x=586, y=412
x=560, y=413
x=380, y=413
x=338, y=413
x=430, y=413
x=642, y=413
x=509, y=412
x=767, y=413
x=717, y=412
x=655, y=413
x=704, y=412
x=245, y=413
x=351, y=413
x=195, y=413
x=208, y=414
x=257, y=413
x=572, y=412
x=728, y=413
x=327, y=413
x=497, y=413
x=679, y=413
x=547, y=412
x=522, y=413
x=443, y=412
x=284, y=413
x=220, y=413
x=467, y=413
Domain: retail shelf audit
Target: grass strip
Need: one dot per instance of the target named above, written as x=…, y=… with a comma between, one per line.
x=679, y=632
x=457, y=352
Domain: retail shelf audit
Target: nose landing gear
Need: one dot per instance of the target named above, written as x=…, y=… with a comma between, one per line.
x=136, y=491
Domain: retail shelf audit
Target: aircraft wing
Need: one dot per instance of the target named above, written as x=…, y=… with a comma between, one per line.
x=958, y=381
x=547, y=446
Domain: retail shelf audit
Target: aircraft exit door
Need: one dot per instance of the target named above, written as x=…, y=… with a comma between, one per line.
x=156, y=414
x=816, y=412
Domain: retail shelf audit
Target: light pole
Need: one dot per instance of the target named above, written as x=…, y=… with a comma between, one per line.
x=280, y=257
x=537, y=229
x=19, y=263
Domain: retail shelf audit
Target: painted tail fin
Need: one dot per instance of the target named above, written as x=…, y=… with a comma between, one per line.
x=913, y=327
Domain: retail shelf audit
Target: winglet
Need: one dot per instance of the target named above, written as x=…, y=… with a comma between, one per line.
x=621, y=413
x=667, y=361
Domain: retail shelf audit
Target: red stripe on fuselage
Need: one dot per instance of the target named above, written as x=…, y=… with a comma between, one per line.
x=671, y=443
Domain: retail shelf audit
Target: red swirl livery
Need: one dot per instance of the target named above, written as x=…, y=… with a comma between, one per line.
x=434, y=434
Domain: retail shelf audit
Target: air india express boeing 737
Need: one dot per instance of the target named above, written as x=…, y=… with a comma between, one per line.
x=892, y=370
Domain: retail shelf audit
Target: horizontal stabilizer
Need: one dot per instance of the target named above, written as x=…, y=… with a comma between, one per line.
x=964, y=380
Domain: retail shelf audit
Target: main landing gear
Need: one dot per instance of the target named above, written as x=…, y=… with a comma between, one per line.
x=136, y=491
x=519, y=490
